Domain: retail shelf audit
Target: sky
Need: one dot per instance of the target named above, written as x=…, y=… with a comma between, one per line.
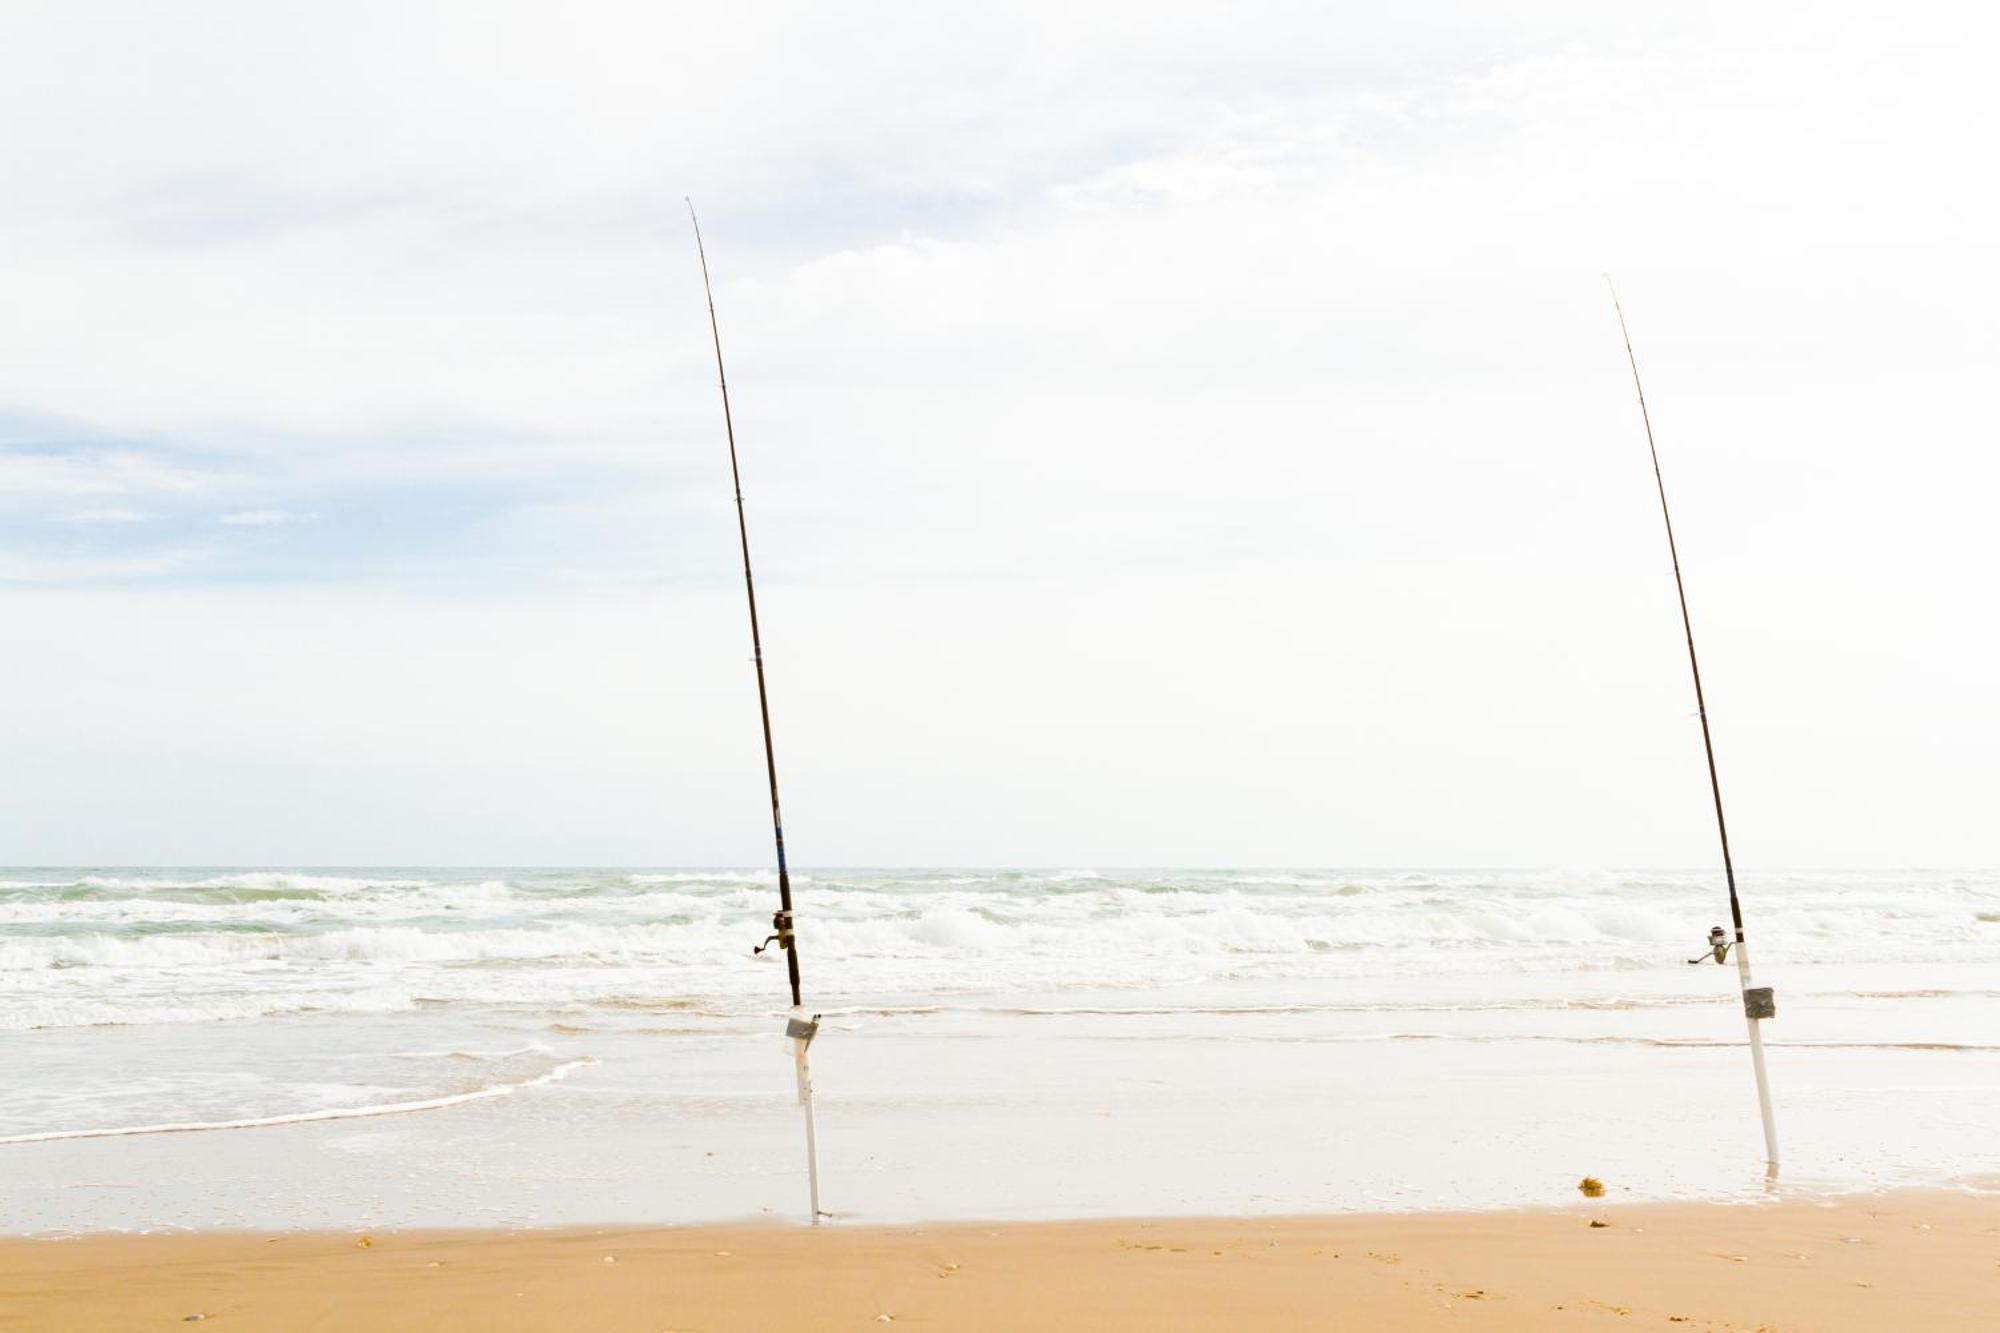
x=1172, y=435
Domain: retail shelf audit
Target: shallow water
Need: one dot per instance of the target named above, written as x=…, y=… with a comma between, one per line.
x=418, y=1047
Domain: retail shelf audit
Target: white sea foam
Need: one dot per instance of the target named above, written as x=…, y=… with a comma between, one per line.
x=254, y=881
x=146, y=948
x=307, y=1117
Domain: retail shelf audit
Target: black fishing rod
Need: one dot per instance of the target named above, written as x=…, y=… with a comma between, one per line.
x=1758, y=1002
x=798, y=1028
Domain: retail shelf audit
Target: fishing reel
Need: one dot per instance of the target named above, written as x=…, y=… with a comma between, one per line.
x=1758, y=1001
x=781, y=931
x=1718, y=947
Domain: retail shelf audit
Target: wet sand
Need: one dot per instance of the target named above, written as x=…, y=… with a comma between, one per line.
x=1913, y=1260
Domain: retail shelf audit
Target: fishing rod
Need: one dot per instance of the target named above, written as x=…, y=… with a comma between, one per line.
x=799, y=1029
x=1759, y=1002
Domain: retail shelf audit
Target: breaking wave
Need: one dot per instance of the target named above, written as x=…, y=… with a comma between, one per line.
x=117, y=947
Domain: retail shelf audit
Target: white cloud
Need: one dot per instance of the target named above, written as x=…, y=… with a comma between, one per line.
x=1178, y=433
x=261, y=518
x=102, y=515
x=35, y=570
x=32, y=476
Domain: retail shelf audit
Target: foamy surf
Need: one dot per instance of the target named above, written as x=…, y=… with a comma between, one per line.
x=109, y=947
x=998, y=1043
x=439, y=1103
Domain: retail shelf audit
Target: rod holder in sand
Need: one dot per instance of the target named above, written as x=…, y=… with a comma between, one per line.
x=801, y=1031
x=1759, y=1003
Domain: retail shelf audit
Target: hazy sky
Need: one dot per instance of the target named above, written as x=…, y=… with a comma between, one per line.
x=1172, y=434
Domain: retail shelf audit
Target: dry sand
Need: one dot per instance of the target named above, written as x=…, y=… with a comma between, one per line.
x=1916, y=1261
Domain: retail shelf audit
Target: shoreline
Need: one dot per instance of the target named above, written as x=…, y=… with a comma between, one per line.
x=1910, y=1258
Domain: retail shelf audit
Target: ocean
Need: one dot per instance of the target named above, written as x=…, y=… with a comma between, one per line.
x=421, y=1047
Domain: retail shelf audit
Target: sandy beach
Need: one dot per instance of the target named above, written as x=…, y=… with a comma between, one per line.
x=1911, y=1260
